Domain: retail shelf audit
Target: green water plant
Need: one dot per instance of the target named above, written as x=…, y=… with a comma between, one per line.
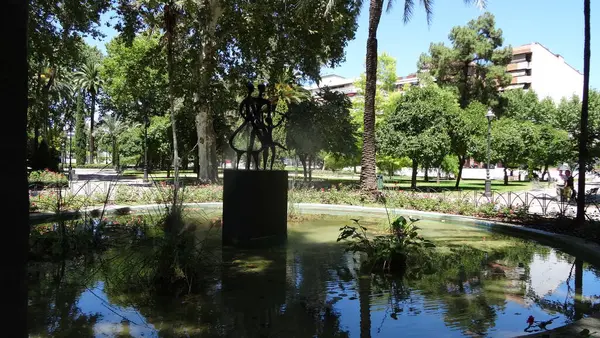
x=399, y=248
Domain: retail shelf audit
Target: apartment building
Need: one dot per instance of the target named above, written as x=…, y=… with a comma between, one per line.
x=335, y=83
x=535, y=67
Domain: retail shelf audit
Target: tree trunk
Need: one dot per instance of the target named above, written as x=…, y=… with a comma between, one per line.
x=368, y=181
x=461, y=164
x=170, y=28
x=505, y=176
x=206, y=146
x=304, y=170
x=464, y=89
x=207, y=151
x=413, y=179
x=439, y=174
x=15, y=240
x=545, y=172
x=310, y=167
x=583, y=134
x=426, y=178
x=92, y=112
x=355, y=170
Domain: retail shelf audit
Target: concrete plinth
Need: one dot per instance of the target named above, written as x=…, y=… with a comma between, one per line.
x=254, y=207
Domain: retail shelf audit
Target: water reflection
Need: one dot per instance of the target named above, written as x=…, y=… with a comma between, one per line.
x=479, y=284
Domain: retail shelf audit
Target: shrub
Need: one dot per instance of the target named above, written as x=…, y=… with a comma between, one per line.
x=47, y=178
x=400, y=248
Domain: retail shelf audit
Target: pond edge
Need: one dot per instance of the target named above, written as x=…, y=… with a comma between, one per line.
x=584, y=249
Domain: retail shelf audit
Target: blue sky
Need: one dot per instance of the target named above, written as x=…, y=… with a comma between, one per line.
x=556, y=24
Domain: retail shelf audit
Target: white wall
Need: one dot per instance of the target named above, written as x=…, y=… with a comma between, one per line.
x=552, y=77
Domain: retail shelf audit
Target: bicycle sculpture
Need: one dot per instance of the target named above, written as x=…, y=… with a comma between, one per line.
x=257, y=113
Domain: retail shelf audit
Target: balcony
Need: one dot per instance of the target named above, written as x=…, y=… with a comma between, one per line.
x=521, y=80
x=518, y=66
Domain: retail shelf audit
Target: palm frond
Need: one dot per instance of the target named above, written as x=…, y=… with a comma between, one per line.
x=409, y=5
x=428, y=5
x=481, y=4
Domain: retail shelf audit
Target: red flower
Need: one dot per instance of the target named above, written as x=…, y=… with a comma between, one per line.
x=322, y=189
x=530, y=320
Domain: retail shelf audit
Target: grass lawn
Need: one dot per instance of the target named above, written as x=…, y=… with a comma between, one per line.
x=394, y=182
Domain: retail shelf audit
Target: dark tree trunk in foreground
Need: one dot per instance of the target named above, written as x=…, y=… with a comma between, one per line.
x=583, y=134
x=367, y=173
x=505, y=176
x=13, y=92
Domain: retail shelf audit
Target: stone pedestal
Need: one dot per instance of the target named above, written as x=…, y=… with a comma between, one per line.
x=254, y=207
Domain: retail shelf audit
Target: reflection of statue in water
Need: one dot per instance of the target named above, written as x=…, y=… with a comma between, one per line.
x=257, y=113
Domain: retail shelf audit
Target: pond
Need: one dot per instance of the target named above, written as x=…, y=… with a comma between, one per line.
x=483, y=284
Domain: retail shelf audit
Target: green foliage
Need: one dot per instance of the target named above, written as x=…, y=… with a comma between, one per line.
x=475, y=64
x=80, y=132
x=47, y=178
x=418, y=127
x=400, y=249
x=135, y=77
x=450, y=164
x=389, y=164
x=322, y=124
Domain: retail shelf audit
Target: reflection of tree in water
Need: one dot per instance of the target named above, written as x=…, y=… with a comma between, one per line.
x=54, y=289
x=474, y=284
x=251, y=294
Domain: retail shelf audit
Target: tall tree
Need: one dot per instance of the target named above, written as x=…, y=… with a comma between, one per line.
x=217, y=53
x=583, y=135
x=474, y=66
x=112, y=127
x=322, y=124
x=418, y=127
x=368, y=164
x=80, y=135
x=88, y=79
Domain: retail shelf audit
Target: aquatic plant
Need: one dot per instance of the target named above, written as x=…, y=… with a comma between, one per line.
x=393, y=251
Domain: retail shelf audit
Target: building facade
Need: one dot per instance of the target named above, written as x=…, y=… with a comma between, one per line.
x=535, y=67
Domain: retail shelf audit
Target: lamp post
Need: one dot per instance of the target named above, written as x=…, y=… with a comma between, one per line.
x=488, y=182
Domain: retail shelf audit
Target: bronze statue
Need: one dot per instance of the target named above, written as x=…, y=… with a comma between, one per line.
x=257, y=113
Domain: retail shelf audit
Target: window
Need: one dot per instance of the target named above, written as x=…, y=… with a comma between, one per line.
x=528, y=57
x=527, y=72
x=526, y=85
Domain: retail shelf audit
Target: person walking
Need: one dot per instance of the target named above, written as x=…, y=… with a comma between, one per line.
x=570, y=186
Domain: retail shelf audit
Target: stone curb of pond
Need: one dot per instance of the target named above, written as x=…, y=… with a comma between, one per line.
x=587, y=250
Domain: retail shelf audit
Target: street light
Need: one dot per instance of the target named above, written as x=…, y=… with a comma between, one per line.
x=488, y=182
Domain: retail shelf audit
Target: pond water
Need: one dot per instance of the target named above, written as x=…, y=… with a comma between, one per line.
x=483, y=285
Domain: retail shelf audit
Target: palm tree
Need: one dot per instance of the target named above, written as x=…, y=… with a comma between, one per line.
x=112, y=127
x=583, y=135
x=368, y=165
x=88, y=79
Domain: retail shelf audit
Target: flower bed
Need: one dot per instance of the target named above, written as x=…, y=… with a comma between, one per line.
x=45, y=178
